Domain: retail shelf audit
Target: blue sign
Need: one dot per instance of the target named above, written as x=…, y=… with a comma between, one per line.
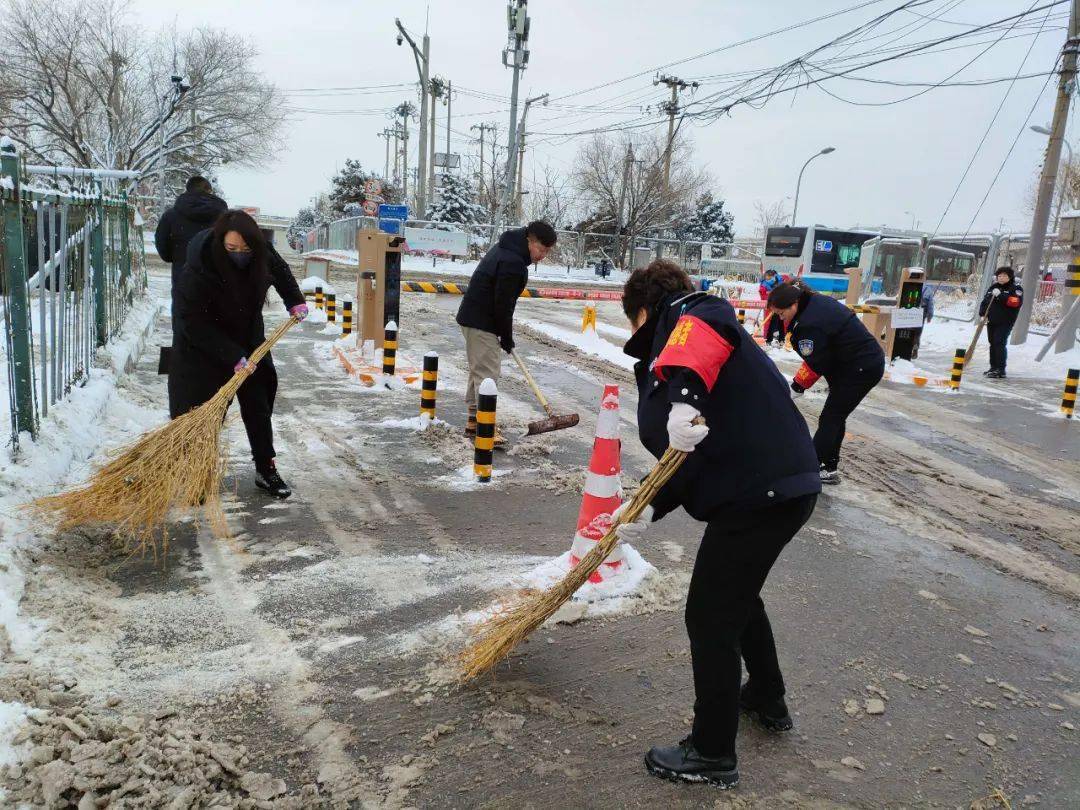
x=821, y=245
x=393, y=211
x=391, y=226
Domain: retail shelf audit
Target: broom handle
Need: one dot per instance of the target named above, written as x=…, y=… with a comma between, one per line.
x=275, y=336
x=974, y=340
x=532, y=383
x=659, y=475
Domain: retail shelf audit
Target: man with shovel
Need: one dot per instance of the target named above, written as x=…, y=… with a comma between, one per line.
x=486, y=314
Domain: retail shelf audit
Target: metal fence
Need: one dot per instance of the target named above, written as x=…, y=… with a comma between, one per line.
x=573, y=248
x=70, y=265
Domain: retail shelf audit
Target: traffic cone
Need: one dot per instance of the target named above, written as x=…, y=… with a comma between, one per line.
x=603, y=489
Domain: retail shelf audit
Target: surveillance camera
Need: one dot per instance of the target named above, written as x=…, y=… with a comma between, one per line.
x=400, y=40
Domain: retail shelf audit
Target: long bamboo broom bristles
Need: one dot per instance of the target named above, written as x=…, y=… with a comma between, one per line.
x=179, y=464
x=498, y=636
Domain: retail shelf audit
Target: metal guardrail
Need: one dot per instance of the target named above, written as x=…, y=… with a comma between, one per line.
x=70, y=266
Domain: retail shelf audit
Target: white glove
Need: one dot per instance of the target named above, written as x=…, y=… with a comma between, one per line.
x=682, y=435
x=995, y=292
x=632, y=532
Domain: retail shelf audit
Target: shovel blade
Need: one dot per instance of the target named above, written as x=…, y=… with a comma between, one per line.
x=560, y=422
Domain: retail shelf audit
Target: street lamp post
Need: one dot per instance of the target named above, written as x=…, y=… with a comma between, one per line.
x=422, y=55
x=1065, y=179
x=798, y=185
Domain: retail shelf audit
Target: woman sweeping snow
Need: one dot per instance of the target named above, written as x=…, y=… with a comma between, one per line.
x=218, y=311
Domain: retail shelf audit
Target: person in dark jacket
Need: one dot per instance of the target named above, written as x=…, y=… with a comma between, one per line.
x=194, y=210
x=486, y=314
x=694, y=359
x=1000, y=306
x=833, y=344
x=218, y=312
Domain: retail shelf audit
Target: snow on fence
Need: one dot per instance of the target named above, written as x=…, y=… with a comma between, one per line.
x=70, y=266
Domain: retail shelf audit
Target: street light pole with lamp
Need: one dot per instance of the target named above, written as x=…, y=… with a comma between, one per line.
x=423, y=65
x=798, y=185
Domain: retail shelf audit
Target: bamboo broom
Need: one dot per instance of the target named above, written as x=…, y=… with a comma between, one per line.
x=179, y=464
x=497, y=637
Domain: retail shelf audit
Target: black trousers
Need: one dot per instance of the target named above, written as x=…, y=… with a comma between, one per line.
x=726, y=619
x=775, y=329
x=256, y=397
x=844, y=397
x=998, y=335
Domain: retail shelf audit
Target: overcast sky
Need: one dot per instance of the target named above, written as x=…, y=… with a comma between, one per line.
x=889, y=160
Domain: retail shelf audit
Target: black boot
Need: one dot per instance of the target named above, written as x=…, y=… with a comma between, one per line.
x=771, y=714
x=683, y=763
x=267, y=478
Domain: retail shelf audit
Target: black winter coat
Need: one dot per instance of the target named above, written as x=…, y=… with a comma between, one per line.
x=758, y=451
x=832, y=340
x=495, y=285
x=192, y=212
x=218, y=320
x=1003, y=309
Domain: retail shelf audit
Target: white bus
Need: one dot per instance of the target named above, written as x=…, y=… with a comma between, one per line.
x=821, y=256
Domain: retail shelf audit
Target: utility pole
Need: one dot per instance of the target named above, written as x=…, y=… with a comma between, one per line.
x=1033, y=262
x=449, y=98
x=627, y=166
x=405, y=110
x=521, y=149
x=422, y=55
x=484, y=128
x=672, y=109
x=386, y=134
x=516, y=56
x=437, y=88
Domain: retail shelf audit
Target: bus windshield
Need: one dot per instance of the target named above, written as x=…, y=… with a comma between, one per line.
x=836, y=251
x=785, y=242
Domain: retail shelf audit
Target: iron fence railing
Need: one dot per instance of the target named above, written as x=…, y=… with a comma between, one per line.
x=70, y=266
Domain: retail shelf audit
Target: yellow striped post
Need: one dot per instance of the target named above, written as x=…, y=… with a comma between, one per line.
x=331, y=308
x=389, y=352
x=484, y=445
x=1072, y=278
x=318, y=298
x=742, y=316
x=1068, y=399
x=346, y=318
x=957, y=369
x=429, y=383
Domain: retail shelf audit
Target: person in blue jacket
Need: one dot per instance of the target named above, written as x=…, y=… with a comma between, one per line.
x=695, y=360
x=833, y=344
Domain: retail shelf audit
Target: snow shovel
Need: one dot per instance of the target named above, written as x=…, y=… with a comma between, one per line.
x=975, y=340
x=554, y=421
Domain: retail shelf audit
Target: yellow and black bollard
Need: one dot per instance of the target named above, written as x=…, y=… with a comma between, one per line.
x=429, y=384
x=742, y=316
x=346, y=318
x=484, y=446
x=957, y=369
x=331, y=308
x=318, y=298
x=389, y=352
x=1068, y=399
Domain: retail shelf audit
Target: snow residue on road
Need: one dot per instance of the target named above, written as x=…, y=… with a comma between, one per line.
x=948, y=336
x=635, y=573
x=586, y=342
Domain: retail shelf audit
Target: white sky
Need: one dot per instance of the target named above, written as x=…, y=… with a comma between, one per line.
x=889, y=160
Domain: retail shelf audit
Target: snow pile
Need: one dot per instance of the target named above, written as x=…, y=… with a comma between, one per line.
x=316, y=316
x=947, y=336
x=631, y=579
x=417, y=423
x=586, y=342
x=309, y=284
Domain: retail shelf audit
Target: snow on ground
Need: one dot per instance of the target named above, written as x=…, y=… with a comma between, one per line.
x=948, y=336
x=309, y=284
x=636, y=571
x=93, y=418
x=588, y=342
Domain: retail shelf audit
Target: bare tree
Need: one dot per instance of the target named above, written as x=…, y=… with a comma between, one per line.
x=1066, y=189
x=770, y=215
x=602, y=178
x=81, y=84
x=550, y=196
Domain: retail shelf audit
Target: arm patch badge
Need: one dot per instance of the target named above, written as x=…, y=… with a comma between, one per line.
x=806, y=347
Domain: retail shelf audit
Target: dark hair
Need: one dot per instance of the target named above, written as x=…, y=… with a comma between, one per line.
x=788, y=293
x=1007, y=271
x=240, y=221
x=200, y=184
x=648, y=286
x=542, y=231
x=770, y=270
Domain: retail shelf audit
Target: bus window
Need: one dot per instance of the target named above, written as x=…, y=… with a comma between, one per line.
x=836, y=251
x=785, y=242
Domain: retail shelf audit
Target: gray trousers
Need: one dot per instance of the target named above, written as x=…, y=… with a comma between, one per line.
x=484, y=356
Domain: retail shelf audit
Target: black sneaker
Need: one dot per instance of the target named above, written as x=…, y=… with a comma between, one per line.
x=829, y=476
x=773, y=715
x=269, y=480
x=683, y=763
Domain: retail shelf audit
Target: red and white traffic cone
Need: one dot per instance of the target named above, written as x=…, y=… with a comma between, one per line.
x=603, y=489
